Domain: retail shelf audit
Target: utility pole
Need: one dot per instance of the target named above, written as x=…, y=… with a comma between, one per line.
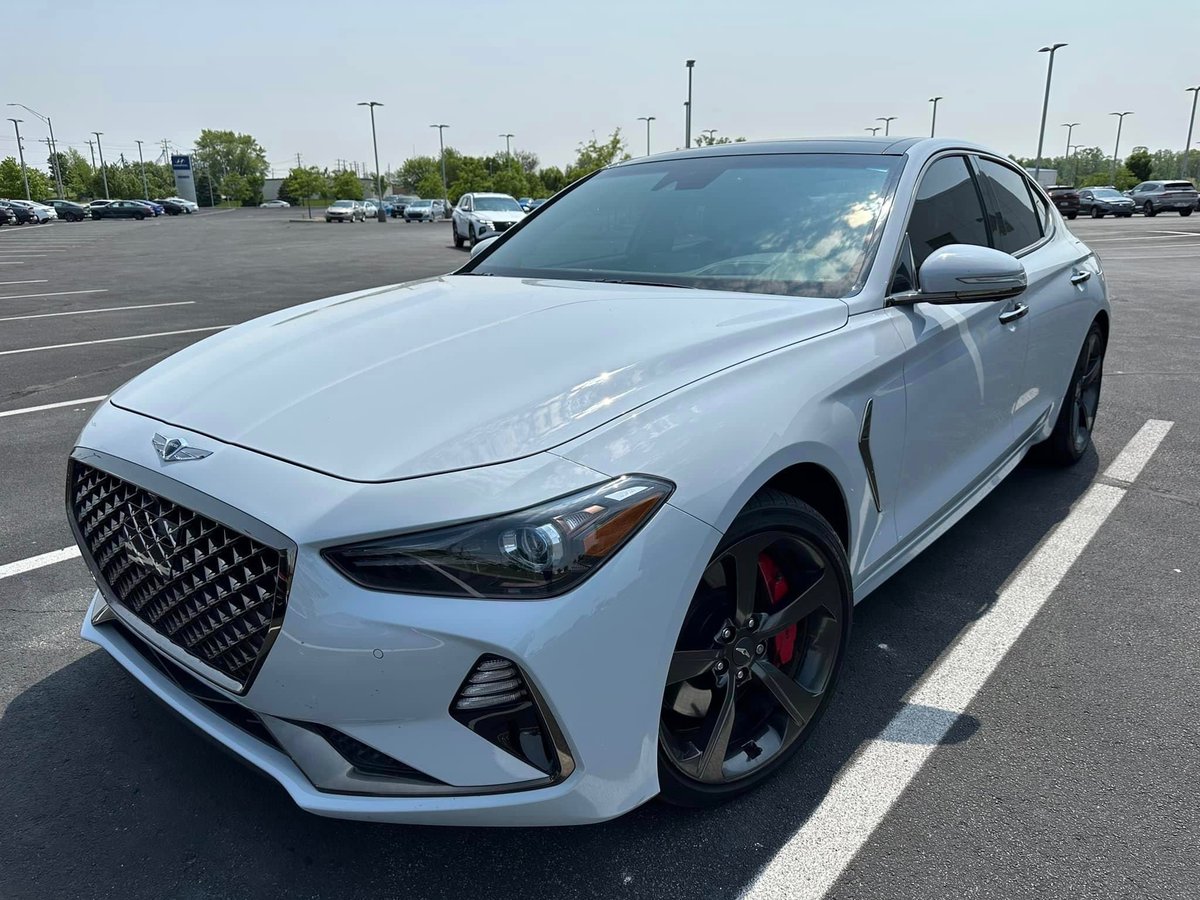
x=103, y=173
x=1183, y=166
x=53, y=156
x=166, y=151
x=1117, y=146
x=297, y=160
x=145, y=189
x=371, y=104
x=647, y=120
x=687, y=127
x=92, y=149
x=53, y=145
x=21, y=153
x=442, y=150
x=933, y=124
x=1037, y=166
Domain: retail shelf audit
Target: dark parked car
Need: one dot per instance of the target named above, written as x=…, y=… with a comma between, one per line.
x=1153, y=197
x=23, y=214
x=68, y=211
x=170, y=207
x=399, y=201
x=122, y=209
x=152, y=206
x=1066, y=198
x=535, y=203
x=1103, y=201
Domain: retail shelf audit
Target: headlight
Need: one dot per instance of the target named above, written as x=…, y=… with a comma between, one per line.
x=539, y=552
x=486, y=223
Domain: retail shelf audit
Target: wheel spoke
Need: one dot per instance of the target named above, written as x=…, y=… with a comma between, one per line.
x=687, y=664
x=1093, y=372
x=1085, y=416
x=798, y=702
x=711, y=765
x=746, y=574
x=821, y=594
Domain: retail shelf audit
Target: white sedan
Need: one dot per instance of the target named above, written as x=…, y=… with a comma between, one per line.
x=274, y=204
x=585, y=522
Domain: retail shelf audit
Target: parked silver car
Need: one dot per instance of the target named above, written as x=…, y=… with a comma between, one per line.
x=1153, y=197
x=345, y=211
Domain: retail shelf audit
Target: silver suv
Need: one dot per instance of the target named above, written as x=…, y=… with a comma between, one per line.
x=1153, y=197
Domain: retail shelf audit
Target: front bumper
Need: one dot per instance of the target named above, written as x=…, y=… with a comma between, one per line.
x=384, y=668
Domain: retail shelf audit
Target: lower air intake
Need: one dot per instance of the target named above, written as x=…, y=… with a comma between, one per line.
x=498, y=704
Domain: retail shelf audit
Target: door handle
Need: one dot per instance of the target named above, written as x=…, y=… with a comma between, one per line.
x=1013, y=314
x=1080, y=276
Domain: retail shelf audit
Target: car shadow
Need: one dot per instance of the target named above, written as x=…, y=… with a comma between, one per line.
x=104, y=792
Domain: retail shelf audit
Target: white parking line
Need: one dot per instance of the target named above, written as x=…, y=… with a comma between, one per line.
x=84, y=312
x=813, y=859
x=55, y=294
x=131, y=337
x=32, y=409
x=30, y=281
x=1107, y=257
x=36, y=562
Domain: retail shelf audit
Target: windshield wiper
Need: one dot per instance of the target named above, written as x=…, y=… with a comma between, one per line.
x=632, y=281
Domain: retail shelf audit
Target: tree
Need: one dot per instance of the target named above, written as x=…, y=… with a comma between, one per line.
x=553, y=179
x=11, y=183
x=1140, y=163
x=304, y=184
x=594, y=154
x=471, y=175
x=429, y=186
x=236, y=187
x=708, y=140
x=228, y=153
x=345, y=185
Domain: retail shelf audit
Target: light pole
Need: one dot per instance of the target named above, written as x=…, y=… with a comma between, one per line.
x=1117, y=146
x=103, y=174
x=1073, y=153
x=1070, y=126
x=141, y=159
x=874, y=130
x=53, y=146
x=712, y=135
x=687, y=127
x=442, y=149
x=933, y=122
x=887, y=123
x=1037, y=166
x=371, y=104
x=649, y=119
x=21, y=153
x=507, y=143
x=1183, y=168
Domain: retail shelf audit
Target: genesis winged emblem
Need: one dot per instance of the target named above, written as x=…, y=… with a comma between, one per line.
x=177, y=449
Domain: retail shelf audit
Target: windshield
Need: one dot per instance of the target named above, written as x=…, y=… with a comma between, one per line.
x=421, y=203
x=343, y=203
x=1107, y=192
x=798, y=224
x=497, y=204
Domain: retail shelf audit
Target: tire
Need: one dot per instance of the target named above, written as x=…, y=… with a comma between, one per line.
x=1072, y=215
x=1148, y=210
x=458, y=241
x=1185, y=212
x=1096, y=214
x=327, y=219
x=1072, y=435
x=474, y=239
x=139, y=217
x=726, y=658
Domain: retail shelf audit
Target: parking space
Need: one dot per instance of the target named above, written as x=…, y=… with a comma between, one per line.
x=1069, y=770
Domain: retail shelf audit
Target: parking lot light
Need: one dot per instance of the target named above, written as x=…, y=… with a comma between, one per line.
x=507, y=143
x=1070, y=126
x=1117, y=146
x=874, y=129
x=381, y=216
x=1037, y=166
x=887, y=123
x=933, y=122
x=142, y=160
x=21, y=153
x=442, y=149
x=647, y=120
x=687, y=127
x=1183, y=165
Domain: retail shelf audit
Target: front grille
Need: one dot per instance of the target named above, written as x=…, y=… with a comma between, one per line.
x=212, y=591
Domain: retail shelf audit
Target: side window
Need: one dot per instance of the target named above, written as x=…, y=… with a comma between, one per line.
x=946, y=211
x=1043, y=210
x=1015, y=224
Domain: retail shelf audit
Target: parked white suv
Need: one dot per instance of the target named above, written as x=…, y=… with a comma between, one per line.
x=479, y=216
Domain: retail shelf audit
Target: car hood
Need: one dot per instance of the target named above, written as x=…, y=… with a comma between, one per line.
x=460, y=371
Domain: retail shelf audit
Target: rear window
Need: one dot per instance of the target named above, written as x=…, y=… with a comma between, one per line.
x=1178, y=186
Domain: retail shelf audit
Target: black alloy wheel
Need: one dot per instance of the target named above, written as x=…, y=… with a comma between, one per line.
x=1096, y=214
x=758, y=654
x=1072, y=433
x=1149, y=210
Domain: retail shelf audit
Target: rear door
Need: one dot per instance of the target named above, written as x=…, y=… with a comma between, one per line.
x=962, y=367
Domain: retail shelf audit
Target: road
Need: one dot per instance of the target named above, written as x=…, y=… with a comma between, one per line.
x=1073, y=771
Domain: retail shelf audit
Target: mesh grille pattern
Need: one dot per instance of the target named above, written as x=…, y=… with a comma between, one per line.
x=209, y=590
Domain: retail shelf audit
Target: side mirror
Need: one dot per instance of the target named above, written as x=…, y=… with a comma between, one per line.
x=963, y=273
x=483, y=245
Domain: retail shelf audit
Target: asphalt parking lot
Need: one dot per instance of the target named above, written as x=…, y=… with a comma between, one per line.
x=1073, y=772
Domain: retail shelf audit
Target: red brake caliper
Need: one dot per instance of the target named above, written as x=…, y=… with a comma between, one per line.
x=783, y=645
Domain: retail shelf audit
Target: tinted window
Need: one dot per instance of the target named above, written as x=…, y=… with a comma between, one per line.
x=497, y=204
x=1179, y=186
x=1015, y=225
x=946, y=211
x=796, y=224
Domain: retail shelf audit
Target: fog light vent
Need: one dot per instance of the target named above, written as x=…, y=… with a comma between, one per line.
x=498, y=704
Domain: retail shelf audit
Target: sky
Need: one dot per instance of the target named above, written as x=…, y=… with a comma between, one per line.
x=555, y=73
